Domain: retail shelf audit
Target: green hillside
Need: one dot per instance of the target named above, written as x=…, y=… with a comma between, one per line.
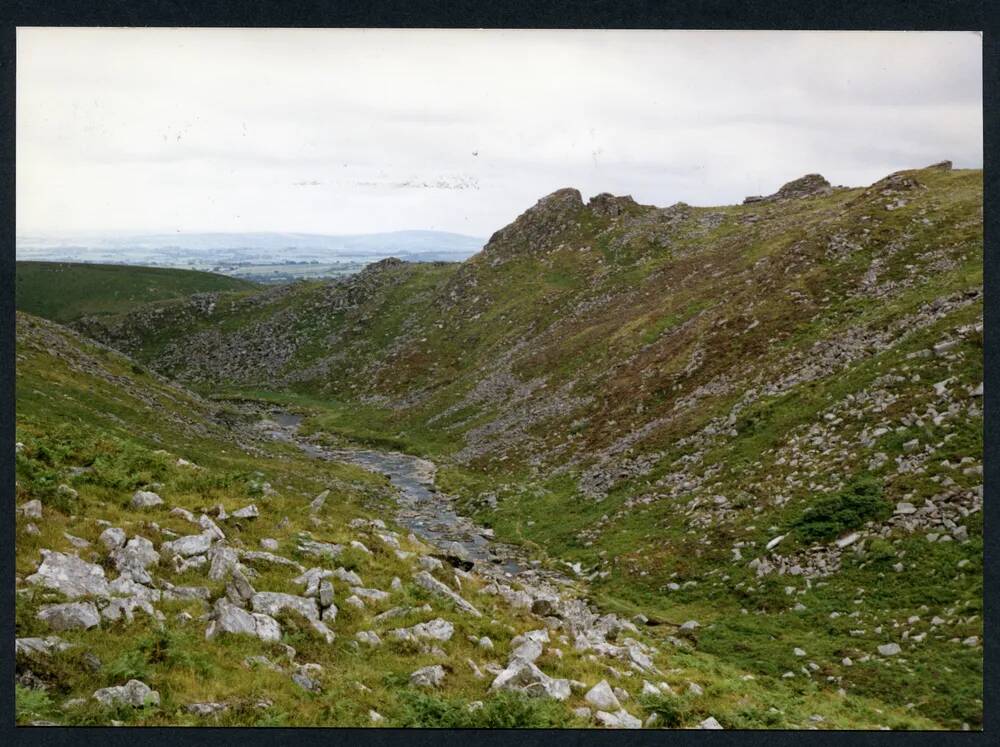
x=766, y=418
x=65, y=291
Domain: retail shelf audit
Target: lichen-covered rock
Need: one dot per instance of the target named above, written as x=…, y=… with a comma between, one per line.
x=145, y=499
x=70, y=616
x=228, y=618
x=431, y=676
x=427, y=581
x=133, y=693
x=69, y=575
x=134, y=558
x=113, y=538
x=188, y=545
x=40, y=646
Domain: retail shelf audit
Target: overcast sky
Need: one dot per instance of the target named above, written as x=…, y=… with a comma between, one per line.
x=354, y=131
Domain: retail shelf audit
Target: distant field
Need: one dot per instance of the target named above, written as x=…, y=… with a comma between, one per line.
x=65, y=291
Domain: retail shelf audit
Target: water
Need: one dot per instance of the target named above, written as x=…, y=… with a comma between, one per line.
x=422, y=509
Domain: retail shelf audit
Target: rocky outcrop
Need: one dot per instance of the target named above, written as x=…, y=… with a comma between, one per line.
x=536, y=228
x=810, y=185
x=609, y=206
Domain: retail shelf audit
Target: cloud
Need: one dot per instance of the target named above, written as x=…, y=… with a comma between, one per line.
x=222, y=129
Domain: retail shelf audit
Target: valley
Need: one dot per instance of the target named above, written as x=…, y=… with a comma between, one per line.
x=680, y=466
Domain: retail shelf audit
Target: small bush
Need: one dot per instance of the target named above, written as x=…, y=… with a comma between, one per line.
x=831, y=516
x=30, y=704
x=131, y=665
x=506, y=710
x=672, y=710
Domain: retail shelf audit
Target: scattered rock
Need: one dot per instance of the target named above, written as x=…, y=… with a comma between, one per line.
x=145, y=499
x=431, y=676
x=603, y=697
x=69, y=575
x=133, y=693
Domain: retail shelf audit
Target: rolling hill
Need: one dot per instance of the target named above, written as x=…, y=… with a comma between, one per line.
x=65, y=291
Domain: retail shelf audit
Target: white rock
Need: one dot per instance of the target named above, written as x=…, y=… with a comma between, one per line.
x=889, y=649
x=69, y=575
x=621, y=719
x=70, y=616
x=427, y=581
x=602, y=697
x=112, y=538
x=710, y=723
x=145, y=499
x=133, y=693
x=848, y=540
x=774, y=542
x=431, y=676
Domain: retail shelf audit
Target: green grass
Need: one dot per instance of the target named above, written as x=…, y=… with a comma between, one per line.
x=66, y=291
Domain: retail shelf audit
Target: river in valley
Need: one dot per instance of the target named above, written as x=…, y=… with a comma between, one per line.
x=422, y=509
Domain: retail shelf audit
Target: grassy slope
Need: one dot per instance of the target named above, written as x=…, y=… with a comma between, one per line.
x=65, y=291
x=90, y=419
x=725, y=302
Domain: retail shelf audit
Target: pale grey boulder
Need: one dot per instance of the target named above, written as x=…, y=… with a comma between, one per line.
x=228, y=618
x=272, y=602
x=437, y=629
x=223, y=560
x=247, y=512
x=317, y=503
x=431, y=676
x=40, y=646
x=134, y=558
x=70, y=616
x=125, y=607
x=188, y=545
x=428, y=582
x=112, y=538
x=133, y=693
x=522, y=675
x=145, y=499
x=70, y=575
x=620, y=719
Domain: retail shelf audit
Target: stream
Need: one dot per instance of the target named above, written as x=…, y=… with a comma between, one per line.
x=423, y=510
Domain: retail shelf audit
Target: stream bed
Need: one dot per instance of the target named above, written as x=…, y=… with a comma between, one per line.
x=423, y=510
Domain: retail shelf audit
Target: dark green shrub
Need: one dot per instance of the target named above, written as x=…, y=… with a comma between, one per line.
x=507, y=710
x=833, y=515
x=672, y=710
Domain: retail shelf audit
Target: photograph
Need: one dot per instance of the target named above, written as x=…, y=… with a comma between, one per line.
x=458, y=378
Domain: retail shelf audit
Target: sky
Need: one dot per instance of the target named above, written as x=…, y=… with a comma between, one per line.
x=355, y=131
